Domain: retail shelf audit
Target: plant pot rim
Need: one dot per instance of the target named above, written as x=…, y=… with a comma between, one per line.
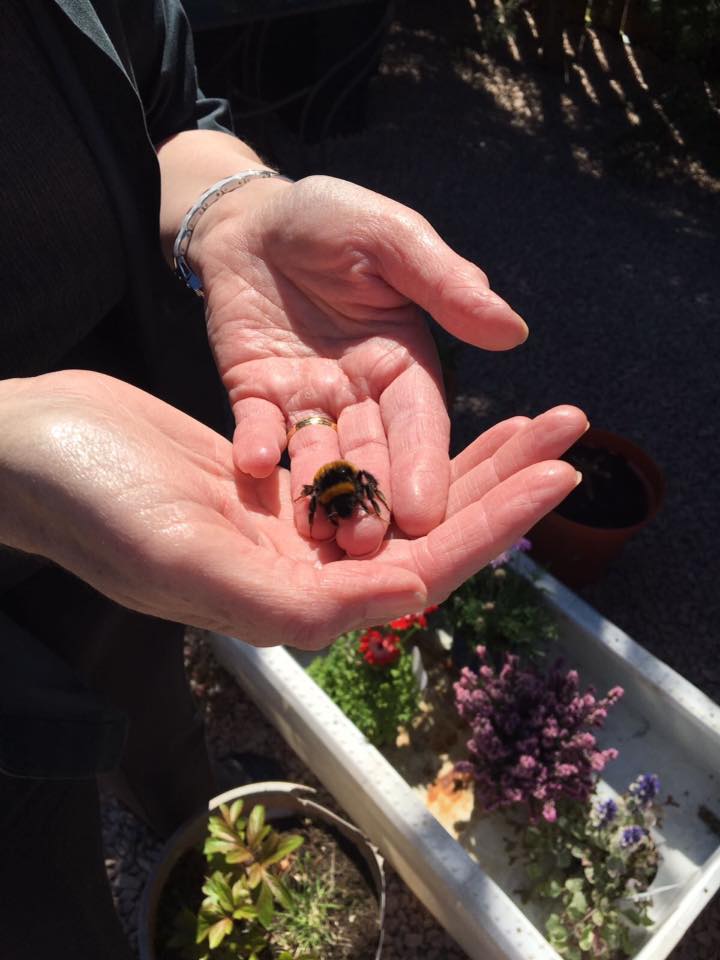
x=281, y=799
x=648, y=472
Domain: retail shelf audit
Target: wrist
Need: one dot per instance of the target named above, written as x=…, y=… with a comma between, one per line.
x=219, y=216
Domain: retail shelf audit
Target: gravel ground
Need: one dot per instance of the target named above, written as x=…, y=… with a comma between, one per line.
x=580, y=201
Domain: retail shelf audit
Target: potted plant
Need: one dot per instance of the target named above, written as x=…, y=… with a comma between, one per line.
x=621, y=491
x=266, y=874
x=524, y=735
x=503, y=801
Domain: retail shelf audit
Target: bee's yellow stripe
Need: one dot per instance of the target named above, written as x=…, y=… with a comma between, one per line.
x=333, y=465
x=336, y=490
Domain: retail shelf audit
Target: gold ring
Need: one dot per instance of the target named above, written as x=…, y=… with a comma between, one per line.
x=316, y=421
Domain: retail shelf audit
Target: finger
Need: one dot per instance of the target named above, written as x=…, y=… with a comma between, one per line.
x=418, y=431
x=363, y=443
x=485, y=446
x=420, y=265
x=259, y=437
x=311, y=448
x=473, y=536
x=546, y=437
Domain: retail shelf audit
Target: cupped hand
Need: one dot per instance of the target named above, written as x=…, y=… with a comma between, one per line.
x=313, y=307
x=144, y=503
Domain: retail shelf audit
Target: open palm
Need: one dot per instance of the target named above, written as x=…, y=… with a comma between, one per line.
x=311, y=308
x=144, y=503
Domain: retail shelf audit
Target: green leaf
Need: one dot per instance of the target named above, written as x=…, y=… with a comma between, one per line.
x=239, y=854
x=597, y=918
x=218, y=828
x=279, y=891
x=557, y=933
x=217, y=887
x=563, y=859
x=203, y=928
x=587, y=939
x=554, y=889
x=265, y=906
x=577, y=908
x=611, y=933
x=574, y=884
x=288, y=845
x=235, y=810
x=219, y=931
x=213, y=845
x=632, y=915
x=256, y=822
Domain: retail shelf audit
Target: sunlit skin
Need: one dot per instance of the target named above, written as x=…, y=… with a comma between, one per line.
x=146, y=505
x=314, y=293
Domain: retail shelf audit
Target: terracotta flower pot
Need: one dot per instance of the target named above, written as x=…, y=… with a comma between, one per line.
x=280, y=800
x=579, y=539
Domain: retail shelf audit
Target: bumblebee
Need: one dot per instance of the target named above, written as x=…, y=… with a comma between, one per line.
x=338, y=488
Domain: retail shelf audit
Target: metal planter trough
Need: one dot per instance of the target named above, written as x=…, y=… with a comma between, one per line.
x=663, y=725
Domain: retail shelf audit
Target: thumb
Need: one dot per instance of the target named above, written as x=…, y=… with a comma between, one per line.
x=419, y=264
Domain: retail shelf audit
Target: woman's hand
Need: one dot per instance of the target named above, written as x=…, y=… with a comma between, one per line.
x=145, y=504
x=313, y=298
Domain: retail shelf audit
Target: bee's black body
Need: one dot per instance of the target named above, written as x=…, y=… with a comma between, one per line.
x=339, y=487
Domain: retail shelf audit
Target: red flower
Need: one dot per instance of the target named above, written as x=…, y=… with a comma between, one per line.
x=412, y=619
x=379, y=650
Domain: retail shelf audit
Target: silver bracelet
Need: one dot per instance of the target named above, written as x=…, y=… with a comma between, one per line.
x=207, y=199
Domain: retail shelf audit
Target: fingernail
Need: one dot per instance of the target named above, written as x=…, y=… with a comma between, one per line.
x=587, y=427
x=578, y=477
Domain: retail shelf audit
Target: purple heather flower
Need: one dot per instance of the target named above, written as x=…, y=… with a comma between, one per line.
x=529, y=740
x=606, y=811
x=632, y=835
x=522, y=546
x=645, y=788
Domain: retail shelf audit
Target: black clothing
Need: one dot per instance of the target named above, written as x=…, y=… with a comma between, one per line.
x=65, y=264
x=87, y=686
x=87, y=90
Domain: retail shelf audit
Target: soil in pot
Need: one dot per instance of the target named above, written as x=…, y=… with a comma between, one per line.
x=346, y=912
x=611, y=494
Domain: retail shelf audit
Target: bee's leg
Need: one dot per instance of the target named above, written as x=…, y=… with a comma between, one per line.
x=332, y=516
x=307, y=491
x=372, y=492
x=311, y=509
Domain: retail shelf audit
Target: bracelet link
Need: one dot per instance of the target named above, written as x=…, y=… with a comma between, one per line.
x=207, y=199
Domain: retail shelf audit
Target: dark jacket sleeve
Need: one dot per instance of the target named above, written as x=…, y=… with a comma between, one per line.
x=154, y=41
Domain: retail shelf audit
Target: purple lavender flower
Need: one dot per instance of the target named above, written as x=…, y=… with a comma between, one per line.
x=605, y=813
x=644, y=789
x=529, y=739
x=522, y=545
x=632, y=836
